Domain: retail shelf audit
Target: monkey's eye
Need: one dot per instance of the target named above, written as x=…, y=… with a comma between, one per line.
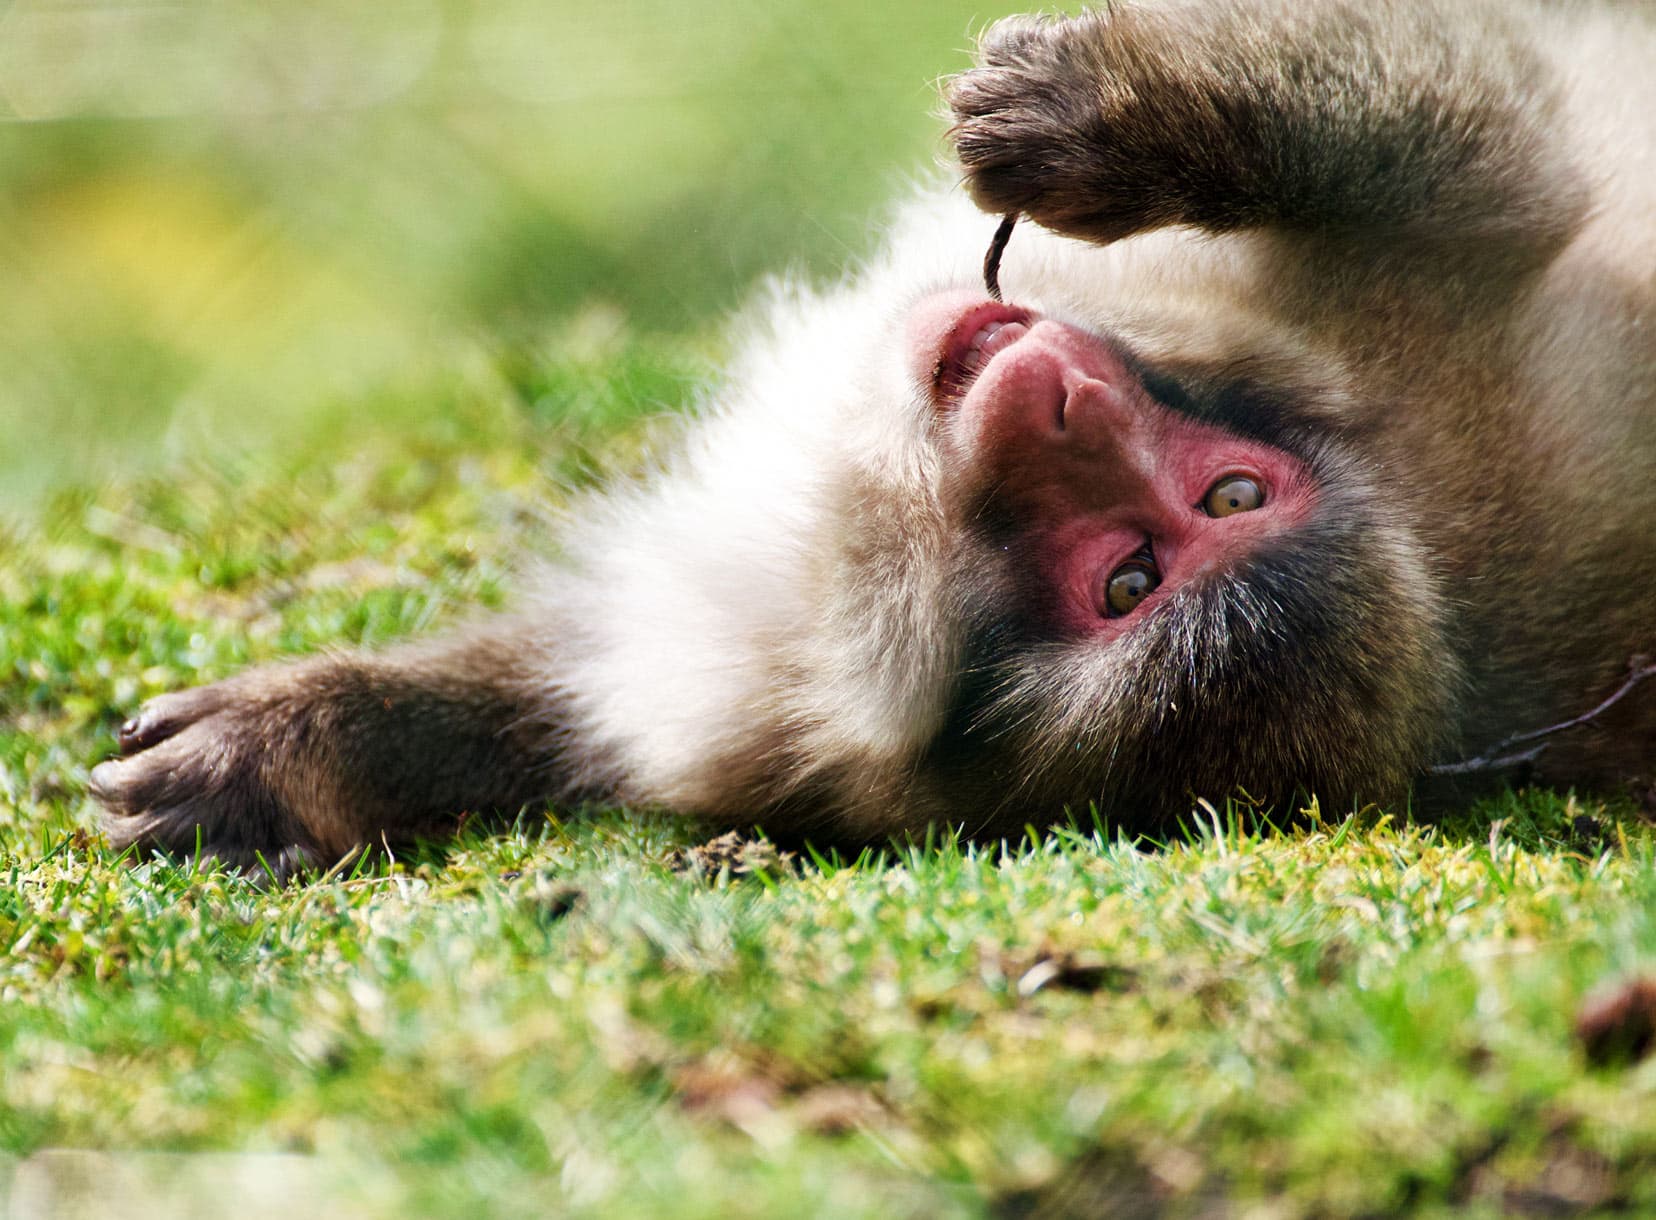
x=1129, y=585
x=1235, y=493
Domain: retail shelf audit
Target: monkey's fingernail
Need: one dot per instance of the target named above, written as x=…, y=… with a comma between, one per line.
x=131, y=737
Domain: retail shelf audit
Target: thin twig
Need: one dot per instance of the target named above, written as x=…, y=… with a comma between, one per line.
x=1498, y=759
x=997, y=247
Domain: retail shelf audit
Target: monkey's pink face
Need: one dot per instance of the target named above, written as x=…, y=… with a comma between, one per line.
x=1115, y=500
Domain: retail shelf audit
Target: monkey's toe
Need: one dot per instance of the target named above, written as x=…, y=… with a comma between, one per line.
x=104, y=785
x=187, y=832
x=164, y=716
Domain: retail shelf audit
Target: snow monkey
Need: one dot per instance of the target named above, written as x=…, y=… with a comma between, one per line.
x=1312, y=450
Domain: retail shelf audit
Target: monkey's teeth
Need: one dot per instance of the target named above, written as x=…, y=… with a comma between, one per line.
x=997, y=336
x=991, y=338
x=967, y=352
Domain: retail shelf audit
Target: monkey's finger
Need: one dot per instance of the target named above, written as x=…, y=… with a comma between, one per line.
x=164, y=716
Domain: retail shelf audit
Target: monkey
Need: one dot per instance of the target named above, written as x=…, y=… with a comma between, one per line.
x=1310, y=448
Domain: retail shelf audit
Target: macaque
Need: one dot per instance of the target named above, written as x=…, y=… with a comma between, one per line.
x=1309, y=451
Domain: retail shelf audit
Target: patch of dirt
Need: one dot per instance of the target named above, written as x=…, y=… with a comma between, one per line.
x=725, y=1087
x=1588, y=834
x=764, y=1097
x=1050, y=968
x=1619, y=1025
x=1123, y=1185
x=1076, y=972
x=1570, y=1181
x=734, y=855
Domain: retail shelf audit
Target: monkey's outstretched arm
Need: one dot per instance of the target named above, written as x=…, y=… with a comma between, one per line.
x=1428, y=120
x=310, y=759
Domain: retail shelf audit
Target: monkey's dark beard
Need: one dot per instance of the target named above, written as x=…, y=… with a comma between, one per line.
x=1298, y=671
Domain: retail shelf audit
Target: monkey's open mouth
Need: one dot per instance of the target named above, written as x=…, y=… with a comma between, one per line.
x=971, y=343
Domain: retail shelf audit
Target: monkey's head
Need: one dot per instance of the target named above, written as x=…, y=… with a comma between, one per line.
x=1173, y=582
x=1008, y=560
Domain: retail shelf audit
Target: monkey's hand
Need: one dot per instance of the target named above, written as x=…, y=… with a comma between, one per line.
x=1321, y=115
x=217, y=769
x=1040, y=129
x=308, y=760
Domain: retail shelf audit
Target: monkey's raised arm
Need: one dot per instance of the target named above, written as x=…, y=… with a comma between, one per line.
x=306, y=760
x=1434, y=121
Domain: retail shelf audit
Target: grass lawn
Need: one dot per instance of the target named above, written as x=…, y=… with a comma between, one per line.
x=581, y=1015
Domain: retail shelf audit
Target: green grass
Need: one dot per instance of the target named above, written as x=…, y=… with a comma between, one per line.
x=1355, y=1017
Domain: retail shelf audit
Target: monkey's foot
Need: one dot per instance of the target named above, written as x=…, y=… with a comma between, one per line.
x=192, y=778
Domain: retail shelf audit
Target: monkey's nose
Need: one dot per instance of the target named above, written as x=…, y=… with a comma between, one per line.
x=1092, y=402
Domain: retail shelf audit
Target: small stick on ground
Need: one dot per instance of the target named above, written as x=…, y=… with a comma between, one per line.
x=997, y=247
x=1498, y=758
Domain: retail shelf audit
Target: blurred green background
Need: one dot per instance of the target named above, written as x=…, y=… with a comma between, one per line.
x=220, y=220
